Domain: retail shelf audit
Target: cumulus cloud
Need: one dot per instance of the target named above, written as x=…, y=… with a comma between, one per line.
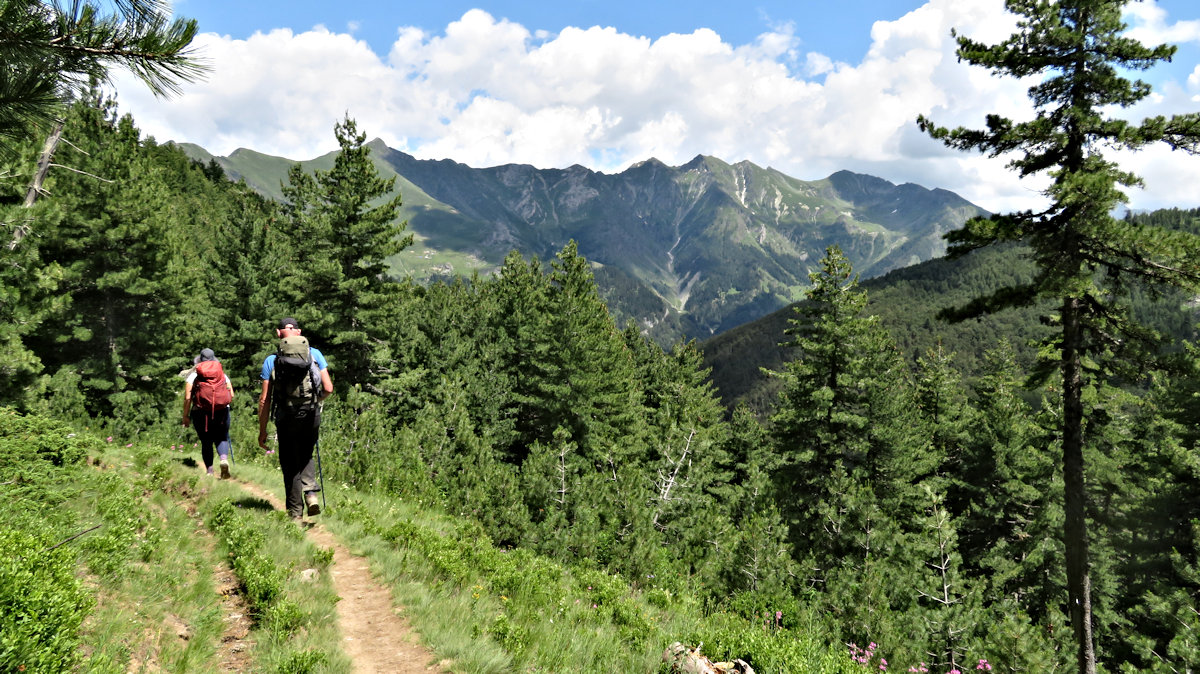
x=486, y=91
x=1149, y=24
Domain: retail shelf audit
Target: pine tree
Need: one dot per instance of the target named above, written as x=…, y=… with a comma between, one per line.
x=113, y=230
x=686, y=459
x=1006, y=494
x=761, y=557
x=1075, y=51
x=338, y=284
x=838, y=406
x=53, y=52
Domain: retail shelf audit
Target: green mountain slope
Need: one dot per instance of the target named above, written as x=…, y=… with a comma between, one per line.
x=686, y=252
x=907, y=302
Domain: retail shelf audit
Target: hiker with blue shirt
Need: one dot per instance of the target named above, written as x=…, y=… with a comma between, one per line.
x=295, y=381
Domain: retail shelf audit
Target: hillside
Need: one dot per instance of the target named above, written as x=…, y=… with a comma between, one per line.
x=183, y=572
x=579, y=497
x=907, y=302
x=685, y=252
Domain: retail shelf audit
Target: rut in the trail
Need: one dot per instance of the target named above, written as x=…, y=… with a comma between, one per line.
x=374, y=636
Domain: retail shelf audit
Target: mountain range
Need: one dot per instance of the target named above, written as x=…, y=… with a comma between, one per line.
x=687, y=251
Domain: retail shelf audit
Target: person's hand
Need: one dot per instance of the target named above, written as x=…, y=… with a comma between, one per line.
x=186, y=422
x=262, y=441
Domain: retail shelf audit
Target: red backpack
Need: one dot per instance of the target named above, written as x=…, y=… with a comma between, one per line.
x=210, y=392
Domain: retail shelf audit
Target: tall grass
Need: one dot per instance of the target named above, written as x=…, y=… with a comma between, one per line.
x=490, y=609
x=137, y=593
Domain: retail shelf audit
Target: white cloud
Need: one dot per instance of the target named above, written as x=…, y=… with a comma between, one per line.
x=1148, y=24
x=487, y=91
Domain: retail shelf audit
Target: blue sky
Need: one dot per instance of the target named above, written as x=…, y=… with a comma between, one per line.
x=805, y=86
x=838, y=29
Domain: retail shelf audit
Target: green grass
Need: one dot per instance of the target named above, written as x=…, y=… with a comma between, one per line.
x=489, y=609
x=145, y=579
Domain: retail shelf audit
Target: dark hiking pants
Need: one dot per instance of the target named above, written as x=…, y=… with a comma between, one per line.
x=297, y=441
x=213, y=431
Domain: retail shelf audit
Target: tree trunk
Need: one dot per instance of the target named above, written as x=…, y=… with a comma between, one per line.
x=39, y=176
x=1079, y=583
x=43, y=165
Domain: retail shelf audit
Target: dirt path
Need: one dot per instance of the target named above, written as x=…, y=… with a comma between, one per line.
x=374, y=635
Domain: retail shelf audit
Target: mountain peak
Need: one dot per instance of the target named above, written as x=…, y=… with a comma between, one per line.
x=687, y=250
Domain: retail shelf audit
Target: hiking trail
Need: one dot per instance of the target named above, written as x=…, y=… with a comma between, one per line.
x=374, y=635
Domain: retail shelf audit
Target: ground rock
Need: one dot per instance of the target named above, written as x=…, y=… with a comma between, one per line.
x=684, y=660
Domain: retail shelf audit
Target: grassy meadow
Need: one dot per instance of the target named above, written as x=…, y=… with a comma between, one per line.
x=122, y=556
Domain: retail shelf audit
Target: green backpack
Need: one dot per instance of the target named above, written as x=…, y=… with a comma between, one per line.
x=296, y=381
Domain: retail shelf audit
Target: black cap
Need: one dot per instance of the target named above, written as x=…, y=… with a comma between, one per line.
x=288, y=323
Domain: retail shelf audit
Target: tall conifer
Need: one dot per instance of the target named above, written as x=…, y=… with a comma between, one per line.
x=835, y=410
x=338, y=284
x=1075, y=51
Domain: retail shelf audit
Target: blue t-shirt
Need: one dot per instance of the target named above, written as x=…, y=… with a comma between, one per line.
x=269, y=364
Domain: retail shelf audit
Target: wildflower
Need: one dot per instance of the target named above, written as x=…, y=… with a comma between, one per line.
x=108, y=439
x=984, y=664
x=883, y=664
x=129, y=445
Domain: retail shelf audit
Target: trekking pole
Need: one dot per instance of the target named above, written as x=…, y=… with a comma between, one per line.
x=228, y=436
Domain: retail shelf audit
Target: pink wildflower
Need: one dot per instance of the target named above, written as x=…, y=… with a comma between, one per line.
x=108, y=439
x=984, y=664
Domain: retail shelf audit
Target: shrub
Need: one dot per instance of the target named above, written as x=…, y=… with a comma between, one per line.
x=284, y=618
x=32, y=439
x=42, y=605
x=303, y=662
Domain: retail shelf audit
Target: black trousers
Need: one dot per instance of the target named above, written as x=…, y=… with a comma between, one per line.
x=213, y=431
x=297, y=443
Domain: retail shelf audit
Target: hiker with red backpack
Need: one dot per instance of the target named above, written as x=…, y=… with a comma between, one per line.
x=295, y=381
x=207, y=393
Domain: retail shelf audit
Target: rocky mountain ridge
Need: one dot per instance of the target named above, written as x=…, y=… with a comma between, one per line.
x=687, y=251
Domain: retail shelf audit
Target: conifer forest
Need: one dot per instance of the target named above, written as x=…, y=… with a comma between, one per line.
x=1037, y=511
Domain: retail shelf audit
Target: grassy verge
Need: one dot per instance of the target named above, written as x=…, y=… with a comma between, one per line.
x=488, y=609
x=139, y=592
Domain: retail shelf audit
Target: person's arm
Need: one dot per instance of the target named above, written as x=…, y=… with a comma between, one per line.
x=187, y=404
x=229, y=385
x=326, y=385
x=264, y=411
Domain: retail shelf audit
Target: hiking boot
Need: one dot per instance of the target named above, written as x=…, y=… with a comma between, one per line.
x=224, y=469
x=313, y=503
